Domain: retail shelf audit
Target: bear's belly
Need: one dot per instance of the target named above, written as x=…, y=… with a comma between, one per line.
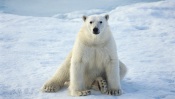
x=96, y=62
x=91, y=73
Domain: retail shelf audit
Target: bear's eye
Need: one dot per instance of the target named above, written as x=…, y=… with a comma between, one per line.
x=101, y=22
x=90, y=22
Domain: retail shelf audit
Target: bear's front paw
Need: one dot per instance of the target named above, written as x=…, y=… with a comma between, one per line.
x=50, y=87
x=80, y=93
x=114, y=92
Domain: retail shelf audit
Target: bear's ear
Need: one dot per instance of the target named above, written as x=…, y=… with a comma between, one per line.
x=84, y=18
x=106, y=16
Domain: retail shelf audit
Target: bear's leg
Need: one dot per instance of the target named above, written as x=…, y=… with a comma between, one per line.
x=59, y=78
x=100, y=85
x=123, y=70
x=77, y=82
x=113, y=78
x=79, y=93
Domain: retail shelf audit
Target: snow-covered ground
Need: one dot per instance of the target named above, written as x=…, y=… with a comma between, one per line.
x=31, y=49
x=51, y=7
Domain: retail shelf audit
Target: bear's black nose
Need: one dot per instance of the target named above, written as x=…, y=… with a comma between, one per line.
x=95, y=31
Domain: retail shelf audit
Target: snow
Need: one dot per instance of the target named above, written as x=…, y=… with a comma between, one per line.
x=52, y=7
x=31, y=49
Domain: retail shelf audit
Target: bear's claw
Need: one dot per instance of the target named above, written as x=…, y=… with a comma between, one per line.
x=114, y=92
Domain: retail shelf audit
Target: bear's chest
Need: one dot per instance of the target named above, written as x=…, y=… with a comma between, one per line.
x=96, y=57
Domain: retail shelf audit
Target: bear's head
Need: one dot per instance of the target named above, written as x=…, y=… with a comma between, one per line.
x=96, y=24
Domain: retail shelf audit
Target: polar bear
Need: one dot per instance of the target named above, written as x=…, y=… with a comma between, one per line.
x=93, y=58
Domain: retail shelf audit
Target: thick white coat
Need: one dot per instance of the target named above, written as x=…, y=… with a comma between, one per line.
x=92, y=56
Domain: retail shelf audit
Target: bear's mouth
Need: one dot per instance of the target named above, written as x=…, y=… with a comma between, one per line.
x=96, y=33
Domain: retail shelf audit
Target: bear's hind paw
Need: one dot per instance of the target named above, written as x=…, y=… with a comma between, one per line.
x=102, y=85
x=50, y=87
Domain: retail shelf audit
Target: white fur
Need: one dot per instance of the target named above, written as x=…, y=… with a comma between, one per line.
x=92, y=56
